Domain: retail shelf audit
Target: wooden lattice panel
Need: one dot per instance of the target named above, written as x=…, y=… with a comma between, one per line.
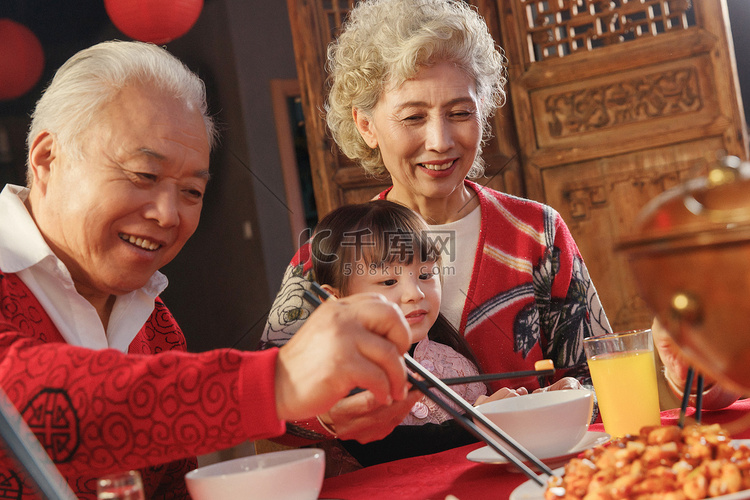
x=334, y=13
x=556, y=28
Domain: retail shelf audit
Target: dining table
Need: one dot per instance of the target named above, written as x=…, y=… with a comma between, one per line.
x=437, y=476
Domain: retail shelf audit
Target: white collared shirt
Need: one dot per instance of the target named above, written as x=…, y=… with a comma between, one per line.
x=23, y=251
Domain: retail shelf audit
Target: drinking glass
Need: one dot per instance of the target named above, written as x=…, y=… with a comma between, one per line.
x=120, y=486
x=624, y=375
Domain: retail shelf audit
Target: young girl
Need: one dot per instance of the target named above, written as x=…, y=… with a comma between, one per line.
x=386, y=248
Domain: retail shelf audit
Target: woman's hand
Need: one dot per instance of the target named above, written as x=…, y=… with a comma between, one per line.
x=505, y=392
x=565, y=383
x=562, y=384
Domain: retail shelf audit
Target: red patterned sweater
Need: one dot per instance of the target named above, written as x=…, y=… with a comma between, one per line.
x=530, y=296
x=154, y=409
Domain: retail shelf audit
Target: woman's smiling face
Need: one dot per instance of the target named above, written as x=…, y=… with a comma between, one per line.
x=428, y=131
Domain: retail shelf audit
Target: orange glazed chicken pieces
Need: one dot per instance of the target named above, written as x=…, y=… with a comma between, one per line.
x=664, y=463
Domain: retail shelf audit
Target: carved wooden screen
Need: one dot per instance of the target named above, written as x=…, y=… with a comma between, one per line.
x=557, y=29
x=615, y=101
x=611, y=102
x=336, y=179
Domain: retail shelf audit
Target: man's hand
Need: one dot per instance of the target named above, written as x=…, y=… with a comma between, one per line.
x=357, y=341
x=362, y=418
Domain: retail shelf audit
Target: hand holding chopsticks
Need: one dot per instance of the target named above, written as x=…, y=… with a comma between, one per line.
x=354, y=341
x=462, y=419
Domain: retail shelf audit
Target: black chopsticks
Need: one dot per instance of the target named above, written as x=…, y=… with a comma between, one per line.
x=462, y=419
x=470, y=425
x=699, y=399
x=488, y=377
x=484, y=377
x=686, y=397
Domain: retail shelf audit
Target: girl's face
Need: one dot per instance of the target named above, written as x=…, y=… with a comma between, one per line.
x=415, y=288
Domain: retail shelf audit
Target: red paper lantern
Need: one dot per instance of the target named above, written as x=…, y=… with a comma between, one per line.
x=21, y=59
x=157, y=21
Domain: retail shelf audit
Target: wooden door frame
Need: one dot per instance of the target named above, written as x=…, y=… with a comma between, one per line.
x=281, y=91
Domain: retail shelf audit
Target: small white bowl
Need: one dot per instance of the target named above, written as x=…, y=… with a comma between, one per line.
x=282, y=475
x=548, y=424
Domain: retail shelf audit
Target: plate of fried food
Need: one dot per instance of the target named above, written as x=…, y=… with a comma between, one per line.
x=669, y=463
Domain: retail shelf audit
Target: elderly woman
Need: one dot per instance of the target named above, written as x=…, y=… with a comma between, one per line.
x=413, y=85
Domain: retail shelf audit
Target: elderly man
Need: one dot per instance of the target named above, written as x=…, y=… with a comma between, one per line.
x=117, y=167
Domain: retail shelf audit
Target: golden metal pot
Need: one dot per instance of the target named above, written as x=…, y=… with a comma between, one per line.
x=690, y=256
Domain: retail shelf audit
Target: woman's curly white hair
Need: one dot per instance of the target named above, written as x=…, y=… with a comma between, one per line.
x=386, y=42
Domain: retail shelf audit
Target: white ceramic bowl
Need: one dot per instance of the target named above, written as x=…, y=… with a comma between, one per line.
x=282, y=475
x=548, y=424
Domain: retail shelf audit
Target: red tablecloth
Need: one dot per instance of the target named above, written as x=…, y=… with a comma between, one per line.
x=433, y=477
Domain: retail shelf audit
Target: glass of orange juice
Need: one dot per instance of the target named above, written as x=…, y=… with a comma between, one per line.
x=624, y=375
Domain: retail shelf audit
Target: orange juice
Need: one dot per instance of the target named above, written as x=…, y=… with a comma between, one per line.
x=626, y=390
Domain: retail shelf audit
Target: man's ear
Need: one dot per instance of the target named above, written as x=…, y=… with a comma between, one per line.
x=364, y=125
x=42, y=153
x=333, y=291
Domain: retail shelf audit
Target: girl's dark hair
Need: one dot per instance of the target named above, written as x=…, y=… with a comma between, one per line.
x=372, y=234
x=354, y=238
